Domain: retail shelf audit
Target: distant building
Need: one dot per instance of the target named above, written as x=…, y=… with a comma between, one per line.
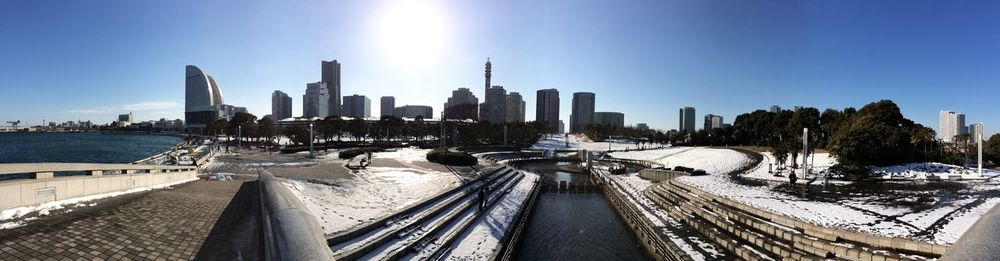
x=775, y=109
x=388, y=106
x=712, y=121
x=582, y=111
x=316, y=101
x=641, y=126
x=975, y=130
x=123, y=119
x=561, y=128
x=203, y=103
x=462, y=96
x=281, y=105
x=514, y=107
x=494, y=104
x=547, y=109
x=616, y=119
x=412, y=111
x=951, y=124
x=686, y=118
x=357, y=106
x=330, y=72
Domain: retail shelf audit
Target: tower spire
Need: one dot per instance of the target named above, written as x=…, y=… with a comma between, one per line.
x=489, y=72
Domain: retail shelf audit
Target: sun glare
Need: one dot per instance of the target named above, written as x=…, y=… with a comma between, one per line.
x=412, y=33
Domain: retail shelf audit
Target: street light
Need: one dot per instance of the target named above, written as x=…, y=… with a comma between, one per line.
x=239, y=136
x=310, y=140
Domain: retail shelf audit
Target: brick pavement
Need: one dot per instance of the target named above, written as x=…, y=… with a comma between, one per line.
x=166, y=224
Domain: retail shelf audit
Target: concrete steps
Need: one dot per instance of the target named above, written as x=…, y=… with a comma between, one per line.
x=723, y=220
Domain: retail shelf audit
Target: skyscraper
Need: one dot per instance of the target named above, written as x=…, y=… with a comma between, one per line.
x=547, y=109
x=388, y=106
x=514, y=107
x=616, y=119
x=412, y=111
x=686, y=119
x=775, y=109
x=462, y=105
x=281, y=105
x=951, y=125
x=975, y=130
x=316, y=101
x=494, y=105
x=712, y=121
x=331, y=76
x=357, y=106
x=582, y=112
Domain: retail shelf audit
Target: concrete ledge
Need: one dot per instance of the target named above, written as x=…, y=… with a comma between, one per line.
x=30, y=192
x=290, y=232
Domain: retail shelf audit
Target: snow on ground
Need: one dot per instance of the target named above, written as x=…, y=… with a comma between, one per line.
x=929, y=170
x=712, y=160
x=409, y=154
x=482, y=238
x=576, y=142
x=820, y=163
x=373, y=193
x=45, y=208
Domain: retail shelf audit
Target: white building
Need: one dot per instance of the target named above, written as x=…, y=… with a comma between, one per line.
x=412, y=111
x=976, y=129
x=316, y=101
x=951, y=125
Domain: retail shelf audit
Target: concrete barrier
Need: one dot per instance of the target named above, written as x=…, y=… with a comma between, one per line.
x=44, y=187
x=660, y=175
x=290, y=232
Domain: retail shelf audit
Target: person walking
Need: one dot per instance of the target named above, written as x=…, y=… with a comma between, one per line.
x=792, y=178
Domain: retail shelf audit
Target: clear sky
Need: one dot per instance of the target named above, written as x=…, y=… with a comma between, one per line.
x=68, y=60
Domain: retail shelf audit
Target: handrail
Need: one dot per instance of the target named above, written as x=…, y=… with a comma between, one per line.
x=289, y=231
x=19, y=168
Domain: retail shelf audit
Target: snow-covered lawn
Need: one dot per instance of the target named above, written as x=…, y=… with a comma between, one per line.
x=576, y=142
x=482, y=238
x=930, y=171
x=373, y=193
x=712, y=160
x=820, y=163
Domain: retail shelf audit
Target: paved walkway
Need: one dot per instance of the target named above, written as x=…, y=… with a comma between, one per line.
x=204, y=220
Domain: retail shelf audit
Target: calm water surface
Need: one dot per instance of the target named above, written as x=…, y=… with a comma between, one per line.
x=80, y=147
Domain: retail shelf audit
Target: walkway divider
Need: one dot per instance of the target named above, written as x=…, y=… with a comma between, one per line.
x=289, y=231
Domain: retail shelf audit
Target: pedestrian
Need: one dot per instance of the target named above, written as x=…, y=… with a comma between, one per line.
x=792, y=178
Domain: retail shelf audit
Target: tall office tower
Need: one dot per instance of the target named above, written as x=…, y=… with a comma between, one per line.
x=975, y=130
x=951, y=125
x=775, y=109
x=712, y=121
x=494, y=105
x=357, y=106
x=686, y=119
x=582, y=112
x=316, y=101
x=514, y=107
x=331, y=76
x=388, y=106
x=281, y=105
x=462, y=105
x=547, y=109
x=616, y=119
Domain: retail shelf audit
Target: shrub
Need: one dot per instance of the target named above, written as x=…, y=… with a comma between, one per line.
x=351, y=153
x=453, y=158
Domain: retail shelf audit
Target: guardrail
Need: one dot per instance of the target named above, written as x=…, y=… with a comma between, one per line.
x=43, y=186
x=289, y=231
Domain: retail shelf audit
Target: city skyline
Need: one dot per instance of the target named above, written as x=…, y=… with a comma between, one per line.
x=815, y=54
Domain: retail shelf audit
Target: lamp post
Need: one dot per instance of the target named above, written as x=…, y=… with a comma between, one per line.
x=805, y=151
x=979, y=140
x=239, y=136
x=310, y=140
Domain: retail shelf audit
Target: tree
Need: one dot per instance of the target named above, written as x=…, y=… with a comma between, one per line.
x=266, y=129
x=877, y=135
x=358, y=129
x=991, y=150
x=297, y=133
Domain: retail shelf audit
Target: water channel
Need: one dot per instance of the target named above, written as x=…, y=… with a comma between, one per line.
x=574, y=226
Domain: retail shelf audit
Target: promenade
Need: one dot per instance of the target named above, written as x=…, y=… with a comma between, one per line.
x=203, y=220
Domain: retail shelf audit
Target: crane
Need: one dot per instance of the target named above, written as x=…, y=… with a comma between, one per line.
x=14, y=123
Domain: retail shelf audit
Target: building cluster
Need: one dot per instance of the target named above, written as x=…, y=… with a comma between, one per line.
x=952, y=124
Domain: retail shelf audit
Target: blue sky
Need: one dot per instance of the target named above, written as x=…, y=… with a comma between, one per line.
x=64, y=60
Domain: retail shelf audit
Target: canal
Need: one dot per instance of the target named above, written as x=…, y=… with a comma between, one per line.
x=574, y=226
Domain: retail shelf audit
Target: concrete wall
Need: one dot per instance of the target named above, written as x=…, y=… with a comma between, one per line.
x=659, y=175
x=29, y=192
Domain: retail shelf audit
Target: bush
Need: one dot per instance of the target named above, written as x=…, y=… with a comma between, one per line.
x=453, y=158
x=683, y=168
x=699, y=172
x=351, y=153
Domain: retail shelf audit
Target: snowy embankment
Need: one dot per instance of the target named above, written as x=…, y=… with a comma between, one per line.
x=45, y=208
x=371, y=193
x=577, y=142
x=482, y=239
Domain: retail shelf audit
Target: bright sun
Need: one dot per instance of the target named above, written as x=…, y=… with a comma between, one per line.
x=412, y=33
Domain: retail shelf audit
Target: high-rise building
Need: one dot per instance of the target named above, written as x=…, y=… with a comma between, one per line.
x=388, y=106
x=616, y=119
x=462, y=105
x=975, y=130
x=686, y=119
x=562, y=127
x=582, y=112
x=547, y=109
x=951, y=125
x=203, y=103
x=775, y=109
x=331, y=76
x=281, y=105
x=412, y=111
x=514, y=107
x=125, y=119
x=357, y=106
x=494, y=105
x=712, y=121
x=641, y=126
x=316, y=101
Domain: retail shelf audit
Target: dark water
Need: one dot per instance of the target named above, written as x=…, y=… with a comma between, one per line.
x=80, y=147
x=581, y=226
